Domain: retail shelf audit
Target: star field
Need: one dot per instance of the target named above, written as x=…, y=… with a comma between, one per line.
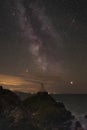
x=44, y=41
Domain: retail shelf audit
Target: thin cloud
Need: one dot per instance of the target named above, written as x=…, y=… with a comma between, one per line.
x=12, y=80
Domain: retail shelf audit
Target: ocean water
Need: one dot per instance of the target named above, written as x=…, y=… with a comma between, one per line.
x=76, y=103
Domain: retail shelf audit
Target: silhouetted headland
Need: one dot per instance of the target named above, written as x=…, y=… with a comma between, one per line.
x=37, y=112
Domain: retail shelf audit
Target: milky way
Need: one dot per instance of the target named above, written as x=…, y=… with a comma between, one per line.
x=46, y=39
x=38, y=31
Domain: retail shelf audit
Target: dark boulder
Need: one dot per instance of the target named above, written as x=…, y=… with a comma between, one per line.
x=12, y=113
x=47, y=113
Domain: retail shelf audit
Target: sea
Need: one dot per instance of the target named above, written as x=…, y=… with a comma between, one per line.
x=76, y=103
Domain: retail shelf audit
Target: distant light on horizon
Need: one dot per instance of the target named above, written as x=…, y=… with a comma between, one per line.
x=27, y=70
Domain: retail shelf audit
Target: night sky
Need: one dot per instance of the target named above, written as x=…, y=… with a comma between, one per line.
x=43, y=41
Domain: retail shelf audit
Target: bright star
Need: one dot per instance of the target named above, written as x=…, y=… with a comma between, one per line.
x=71, y=82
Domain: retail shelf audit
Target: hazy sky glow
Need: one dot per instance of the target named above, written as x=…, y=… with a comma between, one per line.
x=43, y=41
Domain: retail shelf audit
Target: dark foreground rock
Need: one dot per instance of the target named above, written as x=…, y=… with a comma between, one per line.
x=37, y=112
x=47, y=114
x=12, y=113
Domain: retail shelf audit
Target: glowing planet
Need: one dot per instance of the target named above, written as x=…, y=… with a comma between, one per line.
x=71, y=82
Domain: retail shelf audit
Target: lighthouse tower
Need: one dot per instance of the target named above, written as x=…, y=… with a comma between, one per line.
x=42, y=90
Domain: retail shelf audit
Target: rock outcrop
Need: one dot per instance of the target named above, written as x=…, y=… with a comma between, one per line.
x=12, y=113
x=47, y=113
